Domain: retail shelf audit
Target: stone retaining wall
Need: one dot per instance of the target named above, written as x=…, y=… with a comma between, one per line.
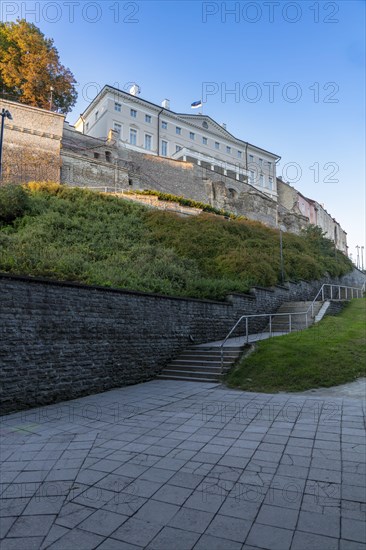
x=59, y=341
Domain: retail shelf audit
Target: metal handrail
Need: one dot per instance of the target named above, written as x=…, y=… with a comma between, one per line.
x=270, y=315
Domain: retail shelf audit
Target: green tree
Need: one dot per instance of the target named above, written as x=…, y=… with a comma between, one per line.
x=30, y=67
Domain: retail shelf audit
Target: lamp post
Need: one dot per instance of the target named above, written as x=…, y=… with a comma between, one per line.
x=52, y=89
x=362, y=249
x=358, y=256
x=4, y=114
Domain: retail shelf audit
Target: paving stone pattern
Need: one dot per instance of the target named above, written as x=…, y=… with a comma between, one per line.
x=180, y=465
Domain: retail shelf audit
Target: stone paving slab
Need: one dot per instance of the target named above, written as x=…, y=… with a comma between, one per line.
x=185, y=465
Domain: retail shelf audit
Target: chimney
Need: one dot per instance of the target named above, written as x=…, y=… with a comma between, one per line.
x=112, y=137
x=166, y=104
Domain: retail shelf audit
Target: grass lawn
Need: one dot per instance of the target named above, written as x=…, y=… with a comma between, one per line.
x=329, y=353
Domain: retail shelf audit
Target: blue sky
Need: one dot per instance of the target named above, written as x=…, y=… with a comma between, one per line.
x=309, y=55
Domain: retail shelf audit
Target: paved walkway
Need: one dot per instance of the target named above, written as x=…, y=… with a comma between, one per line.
x=180, y=465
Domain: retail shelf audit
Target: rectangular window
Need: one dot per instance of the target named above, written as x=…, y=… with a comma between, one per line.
x=251, y=158
x=204, y=141
x=133, y=113
x=148, y=141
x=164, y=125
x=261, y=163
x=178, y=130
x=178, y=148
x=96, y=115
x=148, y=119
x=164, y=148
x=228, y=150
x=117, y=127
x=191, y=135
x=270, y=182
x=217, y=145
x=269, y=166
x=118, y=107
x=87, y=126
x=239, y=154
x=133, y=136
x=251, y=177
x=261, y=180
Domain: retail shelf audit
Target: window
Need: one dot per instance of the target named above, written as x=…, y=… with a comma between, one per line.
x=228, y=150
x=118, y=107
x=96, y=115
x=204, y=141
x=239, y=154
x=178, y=148
x=191, y=135
x=133, y=113
x=269, y=166
x=217, y=145
x=117, y=127
x=133, y=136
x=178, y=130
x=108, y=156
x=164, y=125
x=96, y=155
x=164, y=148
x=261, y=163
x=148, y=141
x=87, y=126
x=148, y=119
x=261, y=180
x=270, y=182
x=251, y=177
x=251, y=158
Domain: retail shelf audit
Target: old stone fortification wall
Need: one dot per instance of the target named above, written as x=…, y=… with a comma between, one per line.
x=200, y=184
x=60, y=341
x=32, y=143
x=90, y=162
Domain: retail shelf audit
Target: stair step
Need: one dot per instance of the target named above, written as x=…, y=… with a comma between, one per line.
x=193, y=374
x=198, y=362
x=216, y=349
x=205, y=357
x=194, y=368
x=185, y=378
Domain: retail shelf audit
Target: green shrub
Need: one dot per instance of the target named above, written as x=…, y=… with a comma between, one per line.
x=80, y=235
x=14, y=203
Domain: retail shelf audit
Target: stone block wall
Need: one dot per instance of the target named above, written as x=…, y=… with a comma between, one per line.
x=32, y=143
x=59, y=341
x=200, y=184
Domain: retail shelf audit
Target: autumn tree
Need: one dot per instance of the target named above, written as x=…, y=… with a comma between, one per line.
x=30, y=67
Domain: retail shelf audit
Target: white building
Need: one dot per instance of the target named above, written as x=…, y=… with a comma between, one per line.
x=156, y=130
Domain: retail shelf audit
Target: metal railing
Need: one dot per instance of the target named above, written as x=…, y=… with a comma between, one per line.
x=335, y=293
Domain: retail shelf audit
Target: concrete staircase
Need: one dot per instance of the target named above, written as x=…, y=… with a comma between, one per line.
x=298, y=322
x=201, y=363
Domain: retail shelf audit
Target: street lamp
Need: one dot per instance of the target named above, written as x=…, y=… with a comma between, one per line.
x=52, y=89
x=4, y=114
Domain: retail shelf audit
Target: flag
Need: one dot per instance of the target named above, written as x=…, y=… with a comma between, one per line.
x=196, y=104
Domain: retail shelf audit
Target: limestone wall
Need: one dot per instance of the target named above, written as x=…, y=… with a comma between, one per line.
x=32, y=143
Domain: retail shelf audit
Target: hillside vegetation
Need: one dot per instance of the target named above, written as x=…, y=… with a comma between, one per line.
x=71, y=234
x=332, y=352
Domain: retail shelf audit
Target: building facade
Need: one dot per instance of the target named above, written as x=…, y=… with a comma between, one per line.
x=157, y=130
x=315, y=213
